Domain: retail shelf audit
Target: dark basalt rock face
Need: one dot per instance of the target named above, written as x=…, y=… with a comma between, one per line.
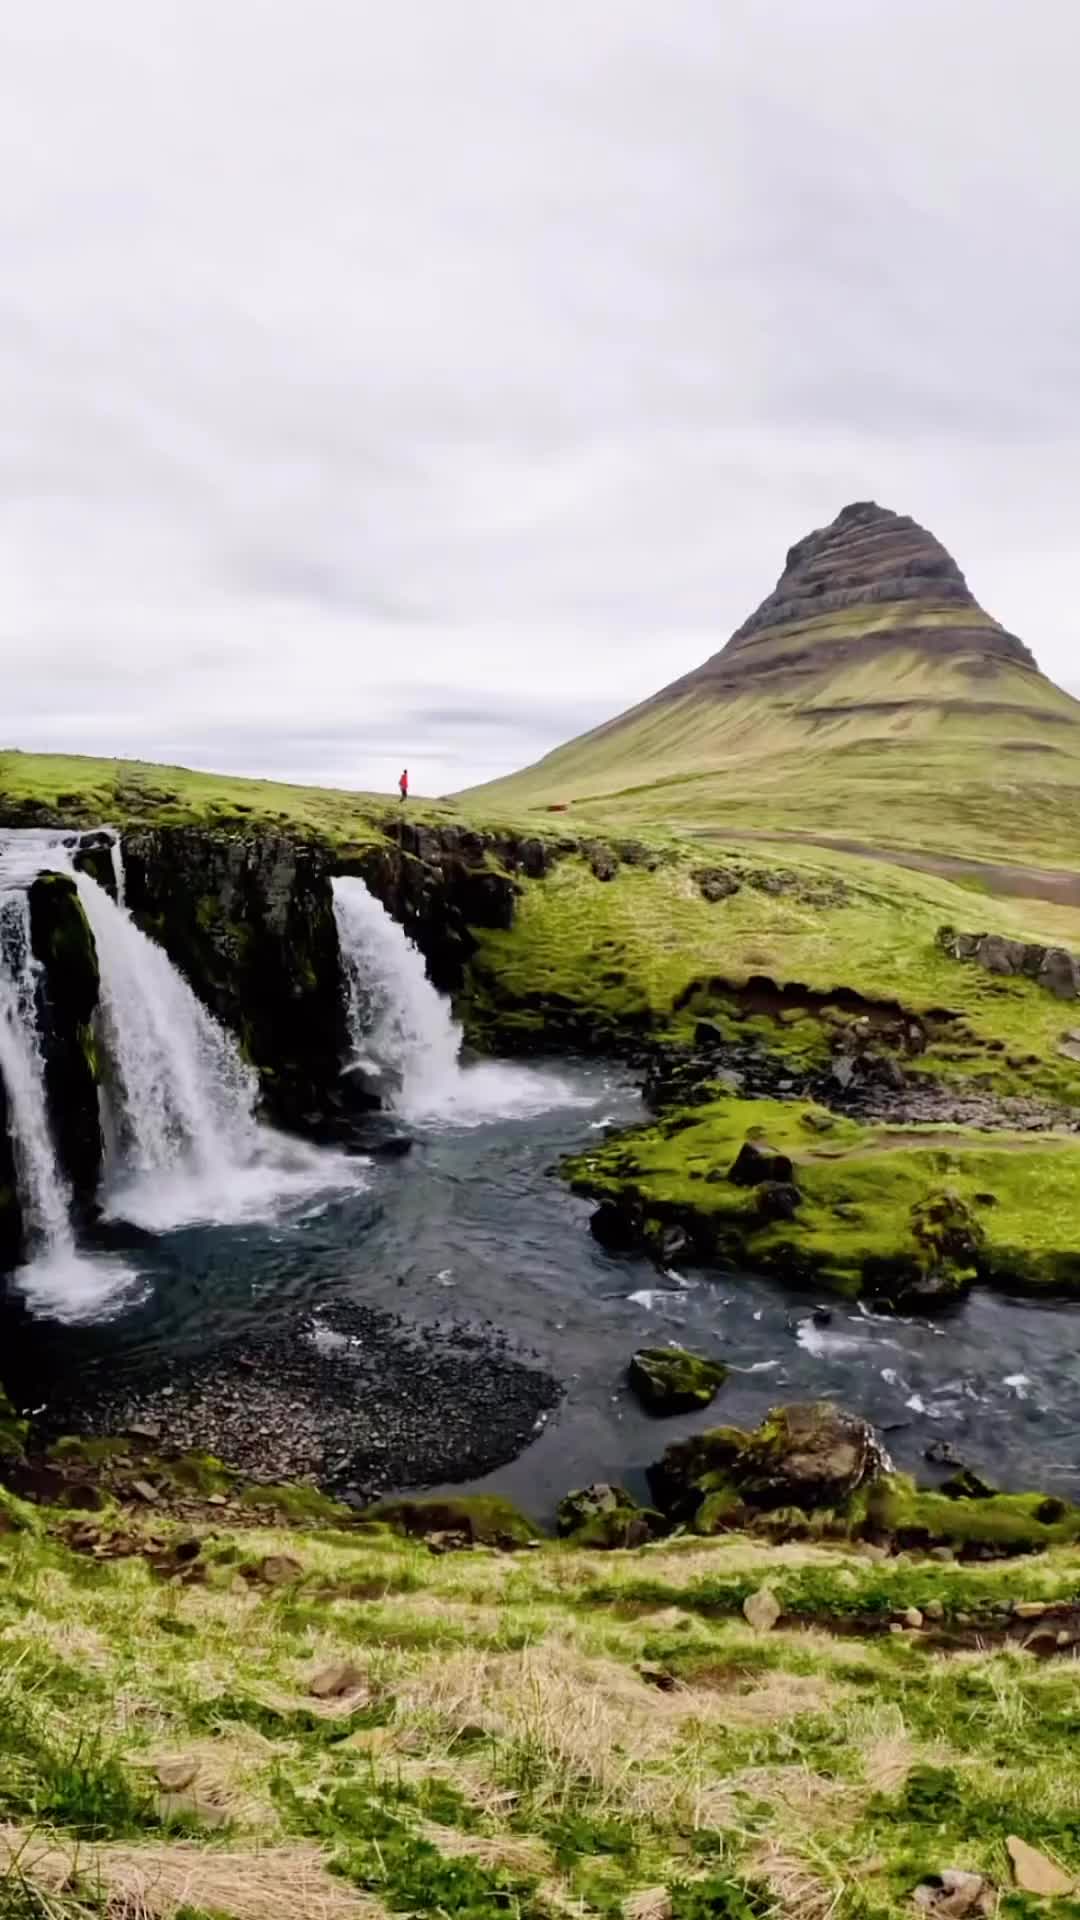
x=440, y=882
x=67, y=1002
x=871, y=558
x=249, y=921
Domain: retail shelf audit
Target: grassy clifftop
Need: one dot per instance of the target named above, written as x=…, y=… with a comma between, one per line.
x=226, y=1722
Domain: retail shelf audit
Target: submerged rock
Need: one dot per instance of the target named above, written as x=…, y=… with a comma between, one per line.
x=669, y=1380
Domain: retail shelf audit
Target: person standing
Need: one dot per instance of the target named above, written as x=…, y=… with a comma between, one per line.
x=403, y=785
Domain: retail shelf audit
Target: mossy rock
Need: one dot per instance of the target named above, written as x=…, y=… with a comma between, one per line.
x=669, y=1380
x=810, y=1455
x=607, y=1517
x=486, y=1518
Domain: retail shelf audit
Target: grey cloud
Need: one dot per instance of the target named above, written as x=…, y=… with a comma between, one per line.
x=352, y=357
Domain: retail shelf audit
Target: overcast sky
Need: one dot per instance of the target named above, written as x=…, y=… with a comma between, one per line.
x=426, y=380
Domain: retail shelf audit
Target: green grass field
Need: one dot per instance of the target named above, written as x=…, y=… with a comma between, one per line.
x=541, y=1734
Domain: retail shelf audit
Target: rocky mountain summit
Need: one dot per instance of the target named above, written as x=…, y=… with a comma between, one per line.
x=872, y=579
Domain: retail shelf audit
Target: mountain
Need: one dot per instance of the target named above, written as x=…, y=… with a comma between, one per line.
x=869, y=695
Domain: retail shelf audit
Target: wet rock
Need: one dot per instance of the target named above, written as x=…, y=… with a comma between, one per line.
x=67, y=1002
x=618, y=1225
x=670, y=1380
x=757, y=1163
x=1035, y=1873
x=762, y=1609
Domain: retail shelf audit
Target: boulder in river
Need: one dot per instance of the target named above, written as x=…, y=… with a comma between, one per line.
x=670, y=1380
x=808, y=1456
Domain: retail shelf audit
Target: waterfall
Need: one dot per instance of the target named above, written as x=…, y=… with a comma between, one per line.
x=404, y=1035
x=43, y=1196
x=57, y=1279
x=178, y=1100
x=180, y=1096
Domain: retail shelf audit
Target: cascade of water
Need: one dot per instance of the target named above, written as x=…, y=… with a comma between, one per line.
x=182, y=1098
x=43, y=1196
x=400, y=1027
x=404, y=1032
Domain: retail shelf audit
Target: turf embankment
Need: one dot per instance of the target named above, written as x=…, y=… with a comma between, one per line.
x=220, y=1720
x=789, y=965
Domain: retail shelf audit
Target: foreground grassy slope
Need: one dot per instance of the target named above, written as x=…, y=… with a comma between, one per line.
x=900, y=750
x=535, y=1734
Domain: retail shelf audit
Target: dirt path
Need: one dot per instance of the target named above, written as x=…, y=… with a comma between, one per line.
x=1027, y=883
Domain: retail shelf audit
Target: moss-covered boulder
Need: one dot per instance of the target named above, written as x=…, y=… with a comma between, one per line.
x=808, y=1456
x=670, y=1380
x=606, y=1517
x=67, y=1002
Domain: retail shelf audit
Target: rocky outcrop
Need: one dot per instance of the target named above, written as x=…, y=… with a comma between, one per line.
x=809, y=1457
x=868, y=559
x=250, y=923
x=1052, y=967
x=67, y=1002
x=439, y=883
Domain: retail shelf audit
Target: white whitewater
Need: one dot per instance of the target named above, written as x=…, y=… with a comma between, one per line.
x=43, y=1196
x=183, y=1145
x=57, y=1279
x=183, y=1142
x=404, y=1034
x=180, y=1096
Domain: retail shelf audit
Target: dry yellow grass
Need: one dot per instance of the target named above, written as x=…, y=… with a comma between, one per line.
x=151, y=1882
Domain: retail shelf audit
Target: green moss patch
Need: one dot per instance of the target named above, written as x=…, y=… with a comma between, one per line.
x=893, y=1212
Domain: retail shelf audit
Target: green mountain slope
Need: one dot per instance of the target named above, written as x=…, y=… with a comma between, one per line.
x=869, y=695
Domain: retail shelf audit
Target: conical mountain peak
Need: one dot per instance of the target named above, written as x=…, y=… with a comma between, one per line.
x=869, y=684
x=871, y=581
